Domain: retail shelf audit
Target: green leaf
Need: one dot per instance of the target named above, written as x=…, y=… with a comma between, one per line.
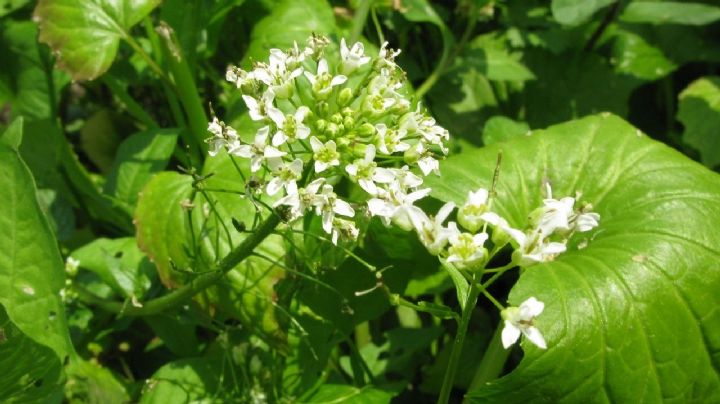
x=462, y=287
x=138, y=158
x=89, y=382
x=699, y=111
x=12, y=137
x=489, y=55
x=298, y=21
x=631, y=310
x=670, y=12
x=31, y=85
x=186, y=380
x=30, y=372
x=342, y=393
x=574, y=12
x=85, y=34
x=31, y=269
x=8, y=6
x=119, y=263
x=500, y=129
x=179, y=231
x=633, y=54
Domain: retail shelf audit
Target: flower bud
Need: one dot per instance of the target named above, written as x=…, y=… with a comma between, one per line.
x=348, y=122
x=332, y=129
x=411, y=156
x=336, y=118
x=367, y=129
x=345, y=96
x=323, y=108
x=321, y=125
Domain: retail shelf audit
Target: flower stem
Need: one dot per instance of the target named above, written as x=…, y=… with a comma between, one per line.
x=493, y=361
x=359, y=20
x=195, y=286
x=458, y=344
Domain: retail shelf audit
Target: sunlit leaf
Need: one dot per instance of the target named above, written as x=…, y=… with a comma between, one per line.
x=85, y=34
x=699, y=111
x=573, y=12
x=632, y=308
x=670, y=12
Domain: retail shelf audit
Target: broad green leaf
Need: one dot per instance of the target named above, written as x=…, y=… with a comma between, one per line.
x=633, y=54
x=186, y=380
x=90, y=383
x=31, y=269
x=179, y=231
x=138, y=158
x=8, y=6
x=631, y=310
x=574, y=12
x=670, y=12
x=119, y=263
x=501, y=128
x=30, y=372
x=100, y=138
x=290, y=21
x=490, y=56
x=85, y=34
x=31, y=85
x=343, y=393
x=699, y=111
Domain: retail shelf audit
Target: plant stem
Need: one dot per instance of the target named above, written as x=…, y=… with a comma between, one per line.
x=185, y=85
x=609, y=17
x=195, y=286
x=132, y=107
x=458, y=344
x=493, y=361
x=359, y=20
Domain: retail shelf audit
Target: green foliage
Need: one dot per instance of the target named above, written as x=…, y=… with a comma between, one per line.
x=32, y=272
x=85, y=34
x=699, y=111
x=646, y=279
x=169, y=304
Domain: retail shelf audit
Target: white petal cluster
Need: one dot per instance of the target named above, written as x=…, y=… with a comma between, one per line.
x=330, y=115
x=520, y=320
x=546, y=236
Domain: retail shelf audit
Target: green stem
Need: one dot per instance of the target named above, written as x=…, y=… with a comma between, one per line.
x=456, y=352
x=493, y=361
x=359, y=20
x=186, y=88
x=132, y=107
x=195, y=286
x=151, y=63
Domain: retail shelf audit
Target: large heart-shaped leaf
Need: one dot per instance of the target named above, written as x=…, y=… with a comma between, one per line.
x=632, y=308
x=179, y=231
x=31, y=269
x=85, y=34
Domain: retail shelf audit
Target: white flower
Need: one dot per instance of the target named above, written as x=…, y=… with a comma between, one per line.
x=259, y=110
x=466, y=249
x=352, y=58
x=323, y=82
x=583, y=222
x=533, y=248
x=290, y=127
x=469, y=214
x=259, y=150
x=431, y=231
x=71, y=266
x=394, y=204
x=285, y=175
x=554, y=215
x=390, y=140
x=329, y=205
x=303, y=200
x=386, y=56
x=427, y=161
x=366, y=172
x=520, y=320
x=223, y=136
x=277, y=75
x=343, y=228
x=241, y=78
x=325, y=155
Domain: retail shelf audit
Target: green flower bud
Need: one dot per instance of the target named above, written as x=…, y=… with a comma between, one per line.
x=345, y=96
x=321, y=125
x=332, y=129
x=323, y=108
x=367, y=129
x=411, y=156
x=347, y=111
x=348, y=122
x=336, y=118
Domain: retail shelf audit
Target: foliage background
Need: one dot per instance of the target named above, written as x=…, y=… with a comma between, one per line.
x=99, y=127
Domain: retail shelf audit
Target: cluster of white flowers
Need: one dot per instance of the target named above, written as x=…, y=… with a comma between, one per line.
x=328, y=116
x=546, y=235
